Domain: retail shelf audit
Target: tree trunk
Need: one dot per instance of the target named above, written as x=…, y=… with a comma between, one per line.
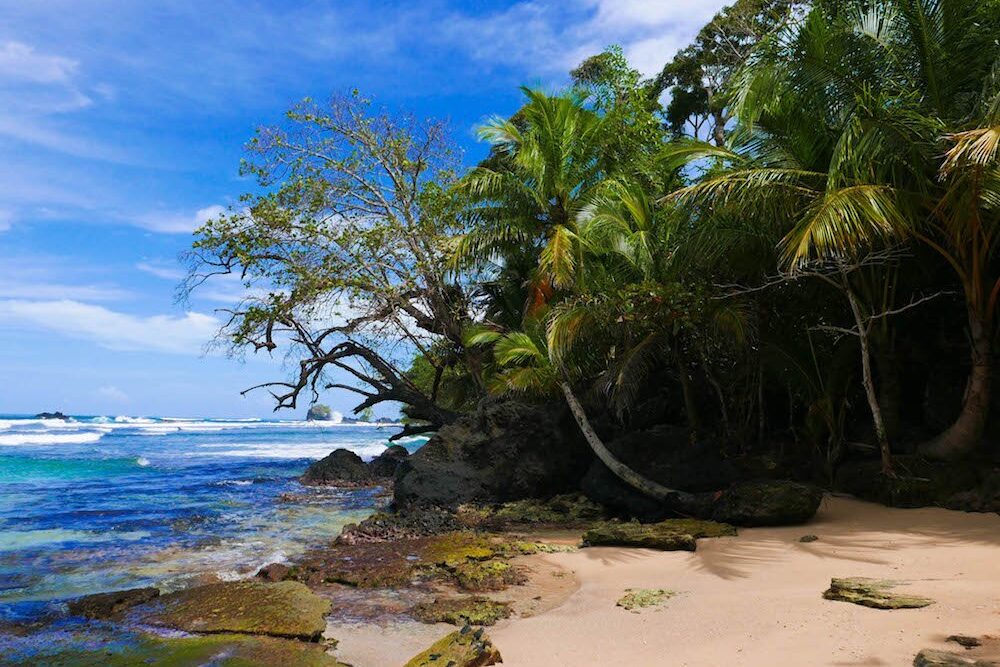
x=719, y=128
x=623, y=472
x=690, y=404
x=890, y=391
x=966, y=433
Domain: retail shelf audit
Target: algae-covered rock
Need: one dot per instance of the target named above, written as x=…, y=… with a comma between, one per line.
x=873, y=593
x=490, y=575
x=767, y=503
x=126, y=650
x=640, y=598
x=110, y=605
x=463, y=648
x=454, y=549
x=564, y=511
x=342, y=467
x=670, y=535
x=462, y=611
x=285, y=609
x=933, y=658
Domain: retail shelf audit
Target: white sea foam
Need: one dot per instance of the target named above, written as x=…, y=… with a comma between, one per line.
x=142, y=461
x=295, y=450
x=14, y=439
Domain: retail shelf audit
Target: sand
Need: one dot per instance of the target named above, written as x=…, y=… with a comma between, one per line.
x=752, y=600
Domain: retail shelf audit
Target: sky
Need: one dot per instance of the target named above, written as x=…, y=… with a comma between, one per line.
x=122, y=123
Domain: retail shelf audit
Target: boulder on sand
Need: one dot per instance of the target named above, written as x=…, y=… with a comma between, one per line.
x=341, y=467
x=767, y=503
x=873, y=593
x=103, y=606
x=932, y=658
x=464, y=648
x=670, y=535
x=502, y=452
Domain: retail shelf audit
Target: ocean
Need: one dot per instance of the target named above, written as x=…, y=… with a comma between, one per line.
x=98, y=503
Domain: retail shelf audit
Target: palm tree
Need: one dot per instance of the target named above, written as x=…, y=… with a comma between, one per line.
x=844, y=118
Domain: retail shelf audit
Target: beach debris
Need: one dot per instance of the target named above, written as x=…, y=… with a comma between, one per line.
x=103, y=606
x=640, y=598
x=286, y=609
x=669, y=535
x=805, y=539
x=965, y=641
x=932, y=658
x=873, y=593
x=467, y=647
x=462, y=611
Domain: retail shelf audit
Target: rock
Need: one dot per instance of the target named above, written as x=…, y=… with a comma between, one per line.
x=805, y=539
x=932, y=658
x=462, y=611
x=669, y=535
x=105, y=606
x=767, y=503
x=319, y=412
x=417, y=521
x=640, y=598
x=571, y=510
x=52, y=415
x=965, y=641
x=385, y=464
x=286, y=609
x=464, y=648
x=873, y=593
x=920, y=483
x=501, y=452
x=341, y=467
x=985, y=497
x=491, y=575
x=274, y=572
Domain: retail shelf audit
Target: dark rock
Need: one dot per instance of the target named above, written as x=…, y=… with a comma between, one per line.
x=808, y=538
x=52, y=415
x=965, y=641
x=570, y=510
x=767, y=503
x=273, y=572
x=501, y=452
x=417, y=521
x=932, y=658
x=985, y=497
x=385, y=464
x=105, y=606
x=463, y=648
x=341, y=467
x=918, y=483
x=874, y=593
x=670, y=535
x=319, y=412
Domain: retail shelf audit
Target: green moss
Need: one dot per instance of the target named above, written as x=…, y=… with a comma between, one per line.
x=566, y=510
x=284, y=609
x=491, y=575
x=873, y=593
x=670, y=535
x=464, y=648
x=454, y=549
x=83, y=650
x=462, y=611
x=640, y=598
x=530, y=548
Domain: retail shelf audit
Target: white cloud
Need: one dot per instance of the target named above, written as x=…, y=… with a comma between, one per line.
x=178, y=223
x=159, y=270
x=21, y=62
x=113, y=393
x=36, y=276
x=23, y=289
x=183, y=334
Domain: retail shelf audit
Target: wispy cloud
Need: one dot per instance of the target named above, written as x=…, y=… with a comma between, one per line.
x=181, y=334
x=178, y=223
x=161, y=270
x=34, y=276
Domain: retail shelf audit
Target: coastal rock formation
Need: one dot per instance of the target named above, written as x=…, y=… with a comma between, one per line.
x=502, y=452
x=286, y=609
x=767, y=503
x=462, y=611
x=319, y=412
x=464, y=648
x=384, y=465
x=670, y=535
x=571, y=510
x=933, y=658
x=103, y=606
x=52, y=415
x=341, y=467
x=873, y=593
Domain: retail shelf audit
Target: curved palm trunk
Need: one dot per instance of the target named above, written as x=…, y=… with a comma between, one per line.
x=622, y=471
x=966, y=433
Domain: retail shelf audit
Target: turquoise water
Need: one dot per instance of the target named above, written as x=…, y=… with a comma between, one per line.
x=98, y=504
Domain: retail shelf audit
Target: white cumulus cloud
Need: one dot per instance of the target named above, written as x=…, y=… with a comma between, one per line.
x=178, y=223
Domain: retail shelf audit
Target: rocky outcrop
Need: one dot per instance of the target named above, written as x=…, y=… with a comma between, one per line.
x=464, y=648
x=319, y=412
x=918, y=483
x=385, y=465
x=670, y=535
x=341, y=467
x=104, y=606
x=52, y=415
x=767, y=503
x=502, y=452
x=874, y=593
x=287, y=609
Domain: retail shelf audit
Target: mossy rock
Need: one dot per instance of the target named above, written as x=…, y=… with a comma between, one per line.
x=454, y=549
x=490, y=575
x=364, y=565
x=110, y=605
x=568, y=510
x=223, y=650
x=285, y=609
x=669, y=535
x=531, y=548
x=464, y=648
x=462, y=611
x=933, y=658
x=640, y=598
x=873, y=593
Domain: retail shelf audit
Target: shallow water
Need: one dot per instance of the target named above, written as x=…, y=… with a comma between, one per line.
x=98, y=504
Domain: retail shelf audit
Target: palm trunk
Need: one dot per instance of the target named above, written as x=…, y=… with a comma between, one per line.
x=966, y=433
x=690, y=404
x=622, y=471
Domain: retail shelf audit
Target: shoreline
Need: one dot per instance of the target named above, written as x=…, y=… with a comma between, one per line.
x=751, y=600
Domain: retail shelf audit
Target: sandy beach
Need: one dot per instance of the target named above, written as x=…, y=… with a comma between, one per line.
x=752, y=600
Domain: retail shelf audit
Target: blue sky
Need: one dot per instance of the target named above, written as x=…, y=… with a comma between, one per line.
x=121, y=127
